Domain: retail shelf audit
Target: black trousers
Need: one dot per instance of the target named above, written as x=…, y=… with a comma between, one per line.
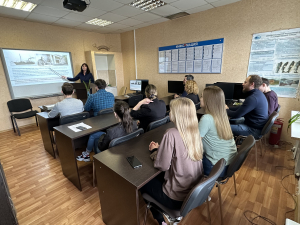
x=154, y=189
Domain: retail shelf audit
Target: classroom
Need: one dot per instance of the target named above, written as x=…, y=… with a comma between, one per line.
x=41, y=191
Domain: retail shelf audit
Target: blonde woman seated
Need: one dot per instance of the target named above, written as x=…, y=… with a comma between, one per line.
x=214, y=127
x=192, y=90
x=179, y=156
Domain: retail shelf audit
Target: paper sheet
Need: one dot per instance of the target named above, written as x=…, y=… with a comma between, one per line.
x=75, y=129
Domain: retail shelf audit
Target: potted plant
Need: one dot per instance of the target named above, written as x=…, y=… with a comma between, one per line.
x=293, y=119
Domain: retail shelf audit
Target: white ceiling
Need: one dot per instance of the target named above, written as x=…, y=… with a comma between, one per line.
x=125, y=17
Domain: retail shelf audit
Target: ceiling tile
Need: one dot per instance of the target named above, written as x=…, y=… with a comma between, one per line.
x=165, y=10
x=7, y=12
x=106, y=5
x=128, y=11
x=65, y=22
x=125, y=1
x=145, y=17
x=92, y=12
x=112, y=17
x=35, y=1
x=78, y=17
x=41, y=18
x=160, y=20
x=199, y=9
x=169, y=1
x=130, y=22
x=49, y=11
x=188, y=4
x=117, y=26
x=210, y=1
x=223, y=2
x=58, y=4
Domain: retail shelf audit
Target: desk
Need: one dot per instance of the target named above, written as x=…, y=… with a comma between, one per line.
x=46, y=125
x=167, y=99
x=118, y=183
x=67, y=141
x=121, y=98
x=200, y=112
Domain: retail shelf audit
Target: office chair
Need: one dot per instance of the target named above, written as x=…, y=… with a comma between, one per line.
x=118, y=141
x=278, y=108
x=105, y=111
x=195, y=198
x=197, y=106
x=133, y=100
x=20, y=105
x=73, y=117
x=264, y=131
x=234, y=166
x=158, y=123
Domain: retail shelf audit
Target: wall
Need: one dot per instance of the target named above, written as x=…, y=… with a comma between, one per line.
x=235, y=23
x=30, y=35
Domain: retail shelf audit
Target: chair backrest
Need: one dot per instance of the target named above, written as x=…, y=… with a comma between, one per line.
x=270, y=123
x=278, y=108
x=133, y=100
x=239, y=159
x=200, y=192
x=19, y=105
x=127, y=137
x=105, y=111
x=158, y=123
x=74, y=117
x=197, y=106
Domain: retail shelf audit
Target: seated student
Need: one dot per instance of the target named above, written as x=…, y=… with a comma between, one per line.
x=101, y=99
x=149, y=109
x=126, y=126
x=192, y=90
x=179, y=156
x=214, y=127
x=186, y=77
x=270, y=95
x=254, y=109
x=67, y=106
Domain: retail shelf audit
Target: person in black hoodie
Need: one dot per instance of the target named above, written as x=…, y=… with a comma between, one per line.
x=149, y=109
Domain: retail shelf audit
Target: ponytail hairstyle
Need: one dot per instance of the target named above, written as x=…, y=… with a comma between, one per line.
x=151, y=92
x=121, y=108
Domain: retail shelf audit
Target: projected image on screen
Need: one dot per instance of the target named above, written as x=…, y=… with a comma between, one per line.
x=35, y=73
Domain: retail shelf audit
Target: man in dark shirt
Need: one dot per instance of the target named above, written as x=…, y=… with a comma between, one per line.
x=270, y=95
x=254, y=109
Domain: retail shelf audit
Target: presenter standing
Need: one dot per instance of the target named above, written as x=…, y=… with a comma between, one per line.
x=84, y=75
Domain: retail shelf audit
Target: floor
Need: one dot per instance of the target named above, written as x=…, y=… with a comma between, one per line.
x=42, y=195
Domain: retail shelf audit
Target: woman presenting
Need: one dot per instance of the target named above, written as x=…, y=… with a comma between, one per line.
x=84, y=75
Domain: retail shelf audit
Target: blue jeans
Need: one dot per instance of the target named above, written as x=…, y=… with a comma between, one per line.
x=243, y=129
x=207, y=167
x=93, y=142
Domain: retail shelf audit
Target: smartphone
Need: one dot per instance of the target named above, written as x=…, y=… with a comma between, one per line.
x=134, y=162
x=81, y=128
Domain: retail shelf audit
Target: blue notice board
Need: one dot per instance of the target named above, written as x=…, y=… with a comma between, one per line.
x=195, y=57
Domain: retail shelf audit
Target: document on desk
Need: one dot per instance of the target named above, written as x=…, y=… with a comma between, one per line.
x=79, y=127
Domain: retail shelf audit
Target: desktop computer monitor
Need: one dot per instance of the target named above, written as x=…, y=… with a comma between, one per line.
x=207, y=85
x=238, y=91
x=135, y=85
x=175, y=87
x=228, y=89
x=144, y=84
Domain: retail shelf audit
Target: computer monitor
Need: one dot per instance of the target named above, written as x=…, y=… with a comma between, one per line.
x=175, y=87
x=228, y=89
x=144, y=84
x=135, y=85
x=207, y=85
x=238, y=91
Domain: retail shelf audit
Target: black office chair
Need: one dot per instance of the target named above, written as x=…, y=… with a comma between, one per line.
x=234, y=166
x=74, y=117
x=133, y=100
x=105, y=111
x=118, y=141
x=264, y=131
x=195, y=198
x=158, y=123
x=197, y=106
x=278, y=108
x=20, y=105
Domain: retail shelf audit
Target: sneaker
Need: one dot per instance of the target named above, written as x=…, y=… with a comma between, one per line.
x=83, y=154
x=85, y=158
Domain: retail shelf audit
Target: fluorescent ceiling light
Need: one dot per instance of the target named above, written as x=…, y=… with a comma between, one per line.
x=147, y=5
x=99, y=22
x=18, y=4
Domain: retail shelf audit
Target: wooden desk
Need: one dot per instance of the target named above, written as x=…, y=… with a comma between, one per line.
x=67, y=141
x=167, y=99
x=118, y=183
x=121, y=98
x=46, y=125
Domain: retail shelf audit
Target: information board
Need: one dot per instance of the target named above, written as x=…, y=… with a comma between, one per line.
x=276, y=56
x=194, y=57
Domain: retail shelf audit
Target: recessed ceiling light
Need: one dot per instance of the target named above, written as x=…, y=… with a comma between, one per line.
x=99, y=22
x=147, y=5
x=18, y=4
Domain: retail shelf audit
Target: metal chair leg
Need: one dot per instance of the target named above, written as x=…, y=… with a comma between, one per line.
x=220, y=202
x=94, y=173
x=234, y=184
x=208, y=212
x=256, y=155
x=17, y=126
x=261, y=147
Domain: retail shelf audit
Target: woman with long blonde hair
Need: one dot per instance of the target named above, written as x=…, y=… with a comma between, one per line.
x=179, y=156
x=215, y=130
